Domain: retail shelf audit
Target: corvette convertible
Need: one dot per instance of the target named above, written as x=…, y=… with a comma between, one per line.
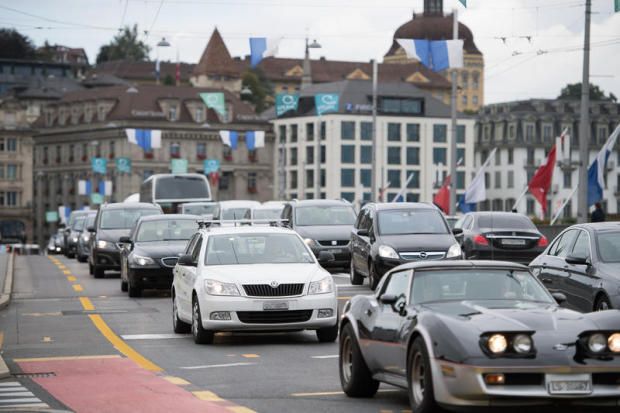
x=462, y=334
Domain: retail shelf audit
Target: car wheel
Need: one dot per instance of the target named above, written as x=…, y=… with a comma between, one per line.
x=133, y=290
x=98, y=272
x=373, y=278
x=420, y=379
x=355, y=377
x=201, y=336
x=81, y=258
x=356, y=278
x=91, y=271
x=327, y=334
x=602, y=304
x=124, y=286
x=179, y=326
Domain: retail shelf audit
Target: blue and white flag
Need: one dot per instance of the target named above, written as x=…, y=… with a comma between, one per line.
x=84, y=187
x=437, y=55
x=229, y=138
x=418, y=49
x=596, y=172
x=147, y=139
x=477, y=190
x=255, y=139
x=64, y=212
x=261, y=47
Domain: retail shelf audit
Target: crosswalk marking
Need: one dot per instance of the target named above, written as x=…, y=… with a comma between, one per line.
x=13, y=396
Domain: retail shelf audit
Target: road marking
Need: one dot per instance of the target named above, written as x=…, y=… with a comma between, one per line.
x=177, y=380
x=87, y=304
x=212, y=366
x=62, y=358
x=66, y=272
x=337, y=393
x=15, y=397
x=250, y=356
x=121, y=345
x=78, y=288
x=208, y=396
x=71, y=278
x=344, y=298
x=240, y=409
x=163, y=336
x=333, y=356
x=56, y=313
x=47, y=339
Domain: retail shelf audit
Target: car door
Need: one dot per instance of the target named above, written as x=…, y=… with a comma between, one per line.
x=552, y=272
x=580, y=280
x=181, y=276
x=540, y=266
x=356, y=240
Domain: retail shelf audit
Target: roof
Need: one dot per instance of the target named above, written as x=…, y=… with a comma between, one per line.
x=130, y=205
x=169, y=217
x=216, y=58
x=319, y=202
x=418, y=265
x=497, y=213
x=247, y=229
x=548, y=106
x=386, y=206
x=141, y=70
x=239, y=203
x=610, y=226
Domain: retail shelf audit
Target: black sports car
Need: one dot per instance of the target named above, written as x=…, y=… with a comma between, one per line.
x=464, y=334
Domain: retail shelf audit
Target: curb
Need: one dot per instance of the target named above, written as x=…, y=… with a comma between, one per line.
x=5, y=299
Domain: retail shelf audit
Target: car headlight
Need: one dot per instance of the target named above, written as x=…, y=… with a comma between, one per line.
x=522, y=343
x=614, y=342
x=86, y=238
x=213, y=287
x=454, y=251
x=74, y=239
x=140, y=260
x=597, y=343
x=104, y=244
x=497, y=343
x=386, y=251
x=323, y=286
x=310, y=242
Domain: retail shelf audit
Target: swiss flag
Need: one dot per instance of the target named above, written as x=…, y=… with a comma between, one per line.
x=541, y=181
x=442, y=197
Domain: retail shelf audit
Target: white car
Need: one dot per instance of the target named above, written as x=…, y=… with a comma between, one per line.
x=252, y=279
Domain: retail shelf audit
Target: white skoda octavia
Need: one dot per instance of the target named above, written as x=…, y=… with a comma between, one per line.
x=252, y=279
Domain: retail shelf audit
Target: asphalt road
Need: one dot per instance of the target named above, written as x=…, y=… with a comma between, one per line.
x=64, y=331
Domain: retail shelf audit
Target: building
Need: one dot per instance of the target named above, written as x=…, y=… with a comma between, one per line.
x=142, y=72
x=329, y=156
x=74, y=56
x=524, y=132
x=91, y=123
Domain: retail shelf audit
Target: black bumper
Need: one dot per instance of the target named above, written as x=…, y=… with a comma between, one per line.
x=342, y=259
x=153, y=278
x=107, y=259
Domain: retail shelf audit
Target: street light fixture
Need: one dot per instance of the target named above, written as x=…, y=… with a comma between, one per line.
x=162, y=43
x=246, y=92
x=306, y=79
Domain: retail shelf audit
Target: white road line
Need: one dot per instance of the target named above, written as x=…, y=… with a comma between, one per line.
x=153, y=336
x=10, y=384
x=17, y=393
x=12, y=407
x=12, y=388
x=25, y=400
x=211, y=366
x=333, y=356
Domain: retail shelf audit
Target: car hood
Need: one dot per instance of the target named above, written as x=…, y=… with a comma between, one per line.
x=325, y=232
x=160, y=249
x=266, y=273
x=418, y=242
x=112, y=235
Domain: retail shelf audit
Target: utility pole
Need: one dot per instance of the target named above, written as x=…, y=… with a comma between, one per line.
x=584, y=123
x=374, y=187
x=455, y=36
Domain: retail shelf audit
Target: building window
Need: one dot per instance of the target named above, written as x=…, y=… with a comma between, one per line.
x=529, y=133
x=201, y=151
x=413, y=197
x=475, y=76
x=511, y=156
x=175, y=150
x=440, y=133
x=464, y=80
x=1, y=171
x=487, y=180
x=58, y=154
x=252, y=182
x=394, y=132
x=460, y=180
x=415, y=179
x=309, y=155
x=72, y=152
x=199, y=114
x=393, y=155
x=226, y=153
x=323, y=131
x=309, y=132
x=366, y=177
x=413, y=156
x=347, y=154
x=11, y=145
x=439, y=156
x=172, y=113
x=323, y=178
x=460, y=133
x=460, y=156
x=498, y=157
x=225, y=180
x=366, y=131
x=413, y=132
x=498, y=179
x=323, y=154
x=403, y=106
x=568, y=181
x=602, y=134
x=282, y=133
x=349, y=196
x=530, y=206
x=393, y=177
x=309, y=178
x=530, y=156
x=293, y=158
x=111, y=148
x=547, y=132
x=511, y=179
x=347, y=177
x=11, y=172
x=365, y=154
x=293, y=180
x=464, y=99
x=474, y=100
x=347, y=130
x=293, y=133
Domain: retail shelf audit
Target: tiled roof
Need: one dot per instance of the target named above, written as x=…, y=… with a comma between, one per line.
x=216, y=58
x=132, y=70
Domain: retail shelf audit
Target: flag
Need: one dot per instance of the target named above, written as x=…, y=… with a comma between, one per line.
x=596, y=171
x=261, y=47
x=541, y=181
x=562, y=143
x=215, y=101
x=616, y=6
x=286, y=102
x=107, y=188
x=442, y=197
x=178, y=166
x=214, y=177
x=211, y=165
x=437, y=55
x=255, y=139
x=477, y=190
x=464, y=2
x=147, y=139
x=101, y=188
x=99, y=165
x=229, y=138
x=326, y=102
x=418, y=49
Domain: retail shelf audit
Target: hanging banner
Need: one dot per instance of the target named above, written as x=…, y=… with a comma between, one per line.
x=51, y=216
x=96, y=198
x=123, y=165
x=100, y=165
x=215, y=101
x=326, y=103
x=286, y=102
x=178, y=166
x=211, y=165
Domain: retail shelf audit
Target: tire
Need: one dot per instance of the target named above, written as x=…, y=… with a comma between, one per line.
x=201, y=336
x=98, y=272
x=179, y=326
x=373, y=277
x=81, y=258
x=124, y=286
x=355, y=377
x=356, y=278
x=327, y=334
x=602, y=303
x=420, y=379
x=91, y=270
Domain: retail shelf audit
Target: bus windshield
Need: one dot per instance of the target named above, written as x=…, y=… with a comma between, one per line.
x=181, y=187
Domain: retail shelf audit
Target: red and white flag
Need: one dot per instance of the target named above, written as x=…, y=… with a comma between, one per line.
x=541, y=181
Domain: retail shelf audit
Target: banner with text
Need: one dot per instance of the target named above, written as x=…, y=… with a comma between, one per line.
x=326, y=103
x=286, y=102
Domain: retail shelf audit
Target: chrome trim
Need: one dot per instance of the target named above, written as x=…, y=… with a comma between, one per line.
x=430, y=255
x=491, y=236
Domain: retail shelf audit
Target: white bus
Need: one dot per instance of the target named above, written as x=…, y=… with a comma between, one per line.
x=172, y=190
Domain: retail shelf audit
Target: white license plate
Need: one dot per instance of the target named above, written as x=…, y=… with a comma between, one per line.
x=335, y=250
x=569, y=383
x=278, y=305
x=510, y=241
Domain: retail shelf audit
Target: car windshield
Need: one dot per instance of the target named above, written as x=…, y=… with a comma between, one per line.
x=477, y=285
x=166, y=230
x=181, y=187
x=78, y=224
x=609, y=246
x=267, y=213
x=515, y=221
x=124, y=218
x=200, y=209
x=235, y=213
x=90, y=221
x=234, y=249
x=324, y=215
x=411, y=221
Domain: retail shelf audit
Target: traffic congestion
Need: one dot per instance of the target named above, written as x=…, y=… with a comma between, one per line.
x=485, y=312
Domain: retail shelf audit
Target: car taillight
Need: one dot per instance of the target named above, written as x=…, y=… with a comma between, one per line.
x=481, y=240
x=543, y=241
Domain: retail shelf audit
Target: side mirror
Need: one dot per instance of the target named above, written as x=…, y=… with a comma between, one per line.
x=362, y=232
x=125, y=240
x=457, y=231
x=186, y=260
x=90, y=229
x=576, y=260
x=559, y=298
x=325, y=257
x=388, y=299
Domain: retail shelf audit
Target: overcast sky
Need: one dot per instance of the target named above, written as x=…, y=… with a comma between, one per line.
x=540, y=54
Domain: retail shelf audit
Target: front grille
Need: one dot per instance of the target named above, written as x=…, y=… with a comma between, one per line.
x=265, y=290
x=169, y=261
x=423, y=255
x=334, y=243
x=274, y=317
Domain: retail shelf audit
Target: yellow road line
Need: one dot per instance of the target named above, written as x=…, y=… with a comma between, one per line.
x=1, y=338
x=344, y=298
x=177, y=380
x=121, y=345
x=107, y=356
x=71, y=278
x=87, y=304
x=239, y=409
x=77, y=287
x=208, y=396
x=250, y=356
x=67, y=272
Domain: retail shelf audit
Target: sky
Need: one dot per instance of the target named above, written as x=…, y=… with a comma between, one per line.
x=531, y=48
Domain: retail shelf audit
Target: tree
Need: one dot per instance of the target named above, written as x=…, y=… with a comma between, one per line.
x=124, y=46
x=14, y=45
x=255, y=80
x=572, y=91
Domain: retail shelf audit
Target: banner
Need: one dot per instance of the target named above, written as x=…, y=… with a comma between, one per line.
x=326, y=102
x=215, y=101
x=123, y=165
x=51, y=216
x=100, y=165
x=178, y=166
x=286, y=102
x=211, y=165
x=96, y=198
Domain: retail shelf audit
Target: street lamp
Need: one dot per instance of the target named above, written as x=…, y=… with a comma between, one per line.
x=246, y=92
x=306, y=79
x=162, y=43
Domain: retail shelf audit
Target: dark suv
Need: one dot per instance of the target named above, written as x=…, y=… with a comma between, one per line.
x=325, y=225
x=390, y=234
x=114, y=221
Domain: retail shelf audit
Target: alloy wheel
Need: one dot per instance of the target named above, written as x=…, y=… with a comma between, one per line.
x=346, y=359
x=417, y=378
x=195, y=318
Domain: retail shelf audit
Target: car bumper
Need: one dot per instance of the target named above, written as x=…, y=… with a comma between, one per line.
x=463, y=385
x=518, y=256
x=107, y=259
x=342, y=256
x=248, y=314
x=156, y=278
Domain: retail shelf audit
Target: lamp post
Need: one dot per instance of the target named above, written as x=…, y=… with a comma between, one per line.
x=306, y=78
x=162, y=43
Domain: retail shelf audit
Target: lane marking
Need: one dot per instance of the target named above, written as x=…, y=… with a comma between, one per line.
x=16, y=393
x=163, y=336
x=344, y=298
x=11, y=384
x=250, y=356
x=66, y=272
x=47, y=339
x=240, y=409
x=87, y=304
x=1, y=338
x=337, y=393
x=333, y=356
x=11, y=407
x=121, y=345
x=62, y=358
x=71, y=278
x=78, y=288
x=177, y=380
x=208, y=396
x=212, y=366
x=56, y=313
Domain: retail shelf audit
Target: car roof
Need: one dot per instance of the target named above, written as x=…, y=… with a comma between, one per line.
x=599, y=227
x=497, y=213
x=239, y=203
x=269, y=206
x=130, y=205
x=388, y=206
x=464, y=264
x=319, y=202
x=169, y=217
x=246, y=230
x=199, y=203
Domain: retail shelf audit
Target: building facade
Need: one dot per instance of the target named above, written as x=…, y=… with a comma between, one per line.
x=329, y=156
x=524, y=133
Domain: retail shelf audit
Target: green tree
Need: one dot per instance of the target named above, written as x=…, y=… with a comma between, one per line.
x=572, y=91
x=124, y=46
x=255, y=80
x=14, y=45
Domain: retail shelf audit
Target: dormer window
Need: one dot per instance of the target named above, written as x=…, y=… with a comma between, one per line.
x=100, y=113
x=172, y=113
x=199, y=115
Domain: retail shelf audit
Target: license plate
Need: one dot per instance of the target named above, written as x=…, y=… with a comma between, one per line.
x=335, y=251
x=510, y=241
x=278, y=305
x=569, y=383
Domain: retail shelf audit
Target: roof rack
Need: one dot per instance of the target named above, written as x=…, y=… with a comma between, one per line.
x=208, y=223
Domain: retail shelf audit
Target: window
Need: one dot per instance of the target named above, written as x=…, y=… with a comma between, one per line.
x=282, y=133
x=547, y=131
x=404, y=106
x=474, y=100
x=582, y=245
x=460, y=180
x=568, y=182
x=530, y=156
x=460, y=156
x=602, y=134
x=511, y=179
x=347, y=177
x=440, y=133
x=293, y=159
x=199, y=115
x=1, y=171
x=293, y=180
x=201, y=150
x=309, y=178
x=172, y=113
x=323, y=179
x=498, y=181
x=251, y=181
x=439, y=156
x=11, y=145
x=511, y=156
x=349, y=196
x=11, y=171
x=498, y=157
x=59, y=153
x=347, y=130
x=394, y=132
x=460, y=133
x=393, y=155
x=323, y=131
x=413, y=132
x=366, y=154
x=111, y=147
x=464, y=99
x=323, y=154
x=366, y=131
x=413, y=156
x=529, y=133
x=309, y=155
x=366, y=177
x=226, y=153
x=293, y=133
x=347, y=154
x=397, y=285
x=475, y=76
x=415, y=179
x=530, y=206
x=412, y=197
x=487, y=180
x=309, y=132
x=465, y=80
x=72, y=152
x=393, y=177
x=175, y=150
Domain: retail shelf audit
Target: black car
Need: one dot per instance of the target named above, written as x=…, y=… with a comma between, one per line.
x=325, y=225
x=72, y=232
x=83, y=244
x=151, y=251
x=468, y=334
x=583, y=262
x=500, y=236
x=112, y=222
x=389, y=234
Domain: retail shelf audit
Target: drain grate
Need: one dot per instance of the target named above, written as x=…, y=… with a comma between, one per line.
x=34, y=375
